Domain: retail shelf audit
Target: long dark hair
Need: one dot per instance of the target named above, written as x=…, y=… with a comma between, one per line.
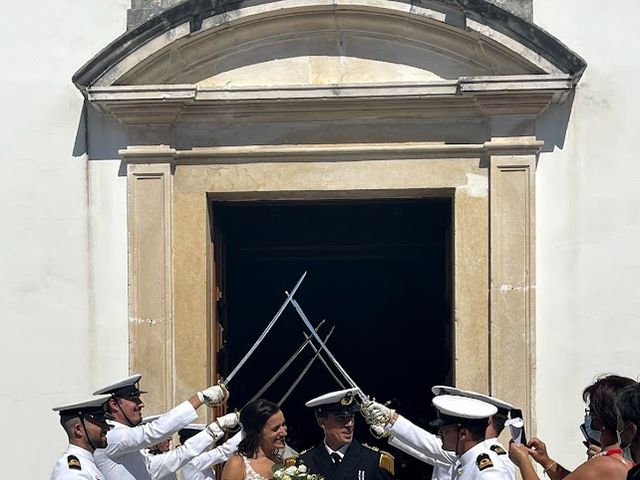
x=602, y=396
x=253, y=417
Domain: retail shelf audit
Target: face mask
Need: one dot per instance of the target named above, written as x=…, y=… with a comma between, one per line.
x=625, y=446
x=593, y=434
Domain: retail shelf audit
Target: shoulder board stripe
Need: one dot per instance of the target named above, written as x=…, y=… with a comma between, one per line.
x=73, y=463
x=483, y=461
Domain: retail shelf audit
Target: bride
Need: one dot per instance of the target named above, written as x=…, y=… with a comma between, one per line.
x=265, y=432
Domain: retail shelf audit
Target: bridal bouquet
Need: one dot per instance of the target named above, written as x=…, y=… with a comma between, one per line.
x=294, y=472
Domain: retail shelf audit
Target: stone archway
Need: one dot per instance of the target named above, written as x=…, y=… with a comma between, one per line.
x=319, y=100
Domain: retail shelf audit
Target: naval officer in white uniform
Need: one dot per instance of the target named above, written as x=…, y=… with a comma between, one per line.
x=496, y=422
x=462, y=422
x=441, y=469
x=164, y=465
x=86, y=426
x=435, y=455
x=122, y=459
x=201, y=467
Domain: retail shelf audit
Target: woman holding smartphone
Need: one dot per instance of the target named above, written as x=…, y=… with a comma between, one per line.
x=600, y=427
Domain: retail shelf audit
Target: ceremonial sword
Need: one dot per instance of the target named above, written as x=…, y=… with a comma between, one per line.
x=286, y=365
x=264, y=333
x=333, y=359
x=324, y=362
x=306, y=368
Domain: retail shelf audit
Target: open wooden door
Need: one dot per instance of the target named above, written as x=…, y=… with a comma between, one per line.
x=217, y=313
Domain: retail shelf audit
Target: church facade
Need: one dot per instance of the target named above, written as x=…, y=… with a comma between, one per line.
x=515, y=118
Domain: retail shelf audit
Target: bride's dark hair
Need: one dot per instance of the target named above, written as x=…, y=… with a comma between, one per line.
x=253, y=417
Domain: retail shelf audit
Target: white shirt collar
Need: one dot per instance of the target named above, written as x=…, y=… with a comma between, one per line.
x=79, y=452
x=341, y=451
x=471, y=454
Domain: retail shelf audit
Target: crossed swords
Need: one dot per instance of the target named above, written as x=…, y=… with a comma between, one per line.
x=307, y=342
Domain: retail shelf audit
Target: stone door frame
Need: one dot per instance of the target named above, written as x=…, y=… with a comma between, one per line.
x=171, y=254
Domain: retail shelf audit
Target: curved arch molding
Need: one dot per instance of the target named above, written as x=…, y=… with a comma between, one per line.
x=318, y=99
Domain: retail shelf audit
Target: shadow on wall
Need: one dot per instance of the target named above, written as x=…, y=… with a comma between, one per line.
x=552, y=125
x=99, y=136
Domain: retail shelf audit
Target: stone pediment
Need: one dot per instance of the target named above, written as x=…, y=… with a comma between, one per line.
x=199, y=50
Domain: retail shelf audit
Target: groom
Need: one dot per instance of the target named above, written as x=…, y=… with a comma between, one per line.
x=339, y=456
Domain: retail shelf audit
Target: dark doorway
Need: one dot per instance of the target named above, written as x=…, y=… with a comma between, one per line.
x=377, y=270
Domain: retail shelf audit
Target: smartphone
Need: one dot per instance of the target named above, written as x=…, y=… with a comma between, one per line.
x=587, y=438
x=516, y=425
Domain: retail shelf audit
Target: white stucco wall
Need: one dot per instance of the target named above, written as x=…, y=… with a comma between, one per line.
x=63, y=224
x=53, y=346
x=588, y=220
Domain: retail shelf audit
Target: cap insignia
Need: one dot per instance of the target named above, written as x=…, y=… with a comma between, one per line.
x=347, y=399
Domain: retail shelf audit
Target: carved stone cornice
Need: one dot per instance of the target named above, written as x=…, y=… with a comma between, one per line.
x=467, y=97
x=142, y=154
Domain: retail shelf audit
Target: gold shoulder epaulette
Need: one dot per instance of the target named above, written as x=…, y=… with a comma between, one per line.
x=387, y=461
x=290, y=462
x=73, y=463
x=483, y=461
x=497, y=449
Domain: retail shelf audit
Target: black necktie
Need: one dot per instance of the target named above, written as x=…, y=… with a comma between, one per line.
x=336, y=458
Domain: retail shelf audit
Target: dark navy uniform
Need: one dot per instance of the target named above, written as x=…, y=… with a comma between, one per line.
x=360, y=462
x=351, y=461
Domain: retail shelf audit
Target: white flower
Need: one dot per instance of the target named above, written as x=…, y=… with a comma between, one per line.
x=277, y=474
x=292, y=470
x=302, y=468
x=286, y=477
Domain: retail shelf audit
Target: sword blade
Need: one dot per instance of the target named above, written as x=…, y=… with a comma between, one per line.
x=285, y=366
x=314, y=334
x=264, y=333
x=305, y=369
x=326, y=365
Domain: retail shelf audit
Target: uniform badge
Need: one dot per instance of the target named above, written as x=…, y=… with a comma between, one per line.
x=497, y=449
x=73, y=463
x=484, y=461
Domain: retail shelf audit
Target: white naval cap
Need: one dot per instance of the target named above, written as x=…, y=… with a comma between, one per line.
x=126, y=387
x=446, y=390
x=454, y=409
x=89, y=406
x=341, y=401
x=190, y=430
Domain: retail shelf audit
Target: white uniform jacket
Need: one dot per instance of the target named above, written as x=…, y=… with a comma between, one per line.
x=503, y=457
x=76, y=463
x=479, y=463
x=441, y=470
x=122, y=458
x=200, y=467
x=419, y=439
x=165, y=465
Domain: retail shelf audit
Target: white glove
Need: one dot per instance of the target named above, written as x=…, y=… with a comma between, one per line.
x=214, y=396
x=378, y=431
x=376, y=414
x=229, y=421
x=215, y=431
